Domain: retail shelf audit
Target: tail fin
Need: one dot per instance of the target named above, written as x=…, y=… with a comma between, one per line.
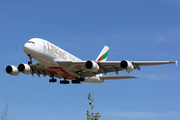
x=103, y=55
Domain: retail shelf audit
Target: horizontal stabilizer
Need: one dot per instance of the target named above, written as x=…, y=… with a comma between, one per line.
x=115, y=77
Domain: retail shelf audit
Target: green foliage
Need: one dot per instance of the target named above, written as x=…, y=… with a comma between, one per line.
x=92, y=116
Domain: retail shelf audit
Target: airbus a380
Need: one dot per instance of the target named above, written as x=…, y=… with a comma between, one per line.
x=57, y=63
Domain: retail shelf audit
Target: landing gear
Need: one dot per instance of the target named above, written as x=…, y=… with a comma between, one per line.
x=64, y=81
x=30, y=62
x=80, y=79
x=52, y=80
x=77, y=81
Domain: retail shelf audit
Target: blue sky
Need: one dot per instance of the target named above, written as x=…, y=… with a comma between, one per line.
x=134, y=30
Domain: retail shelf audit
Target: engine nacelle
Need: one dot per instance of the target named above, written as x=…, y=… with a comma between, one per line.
x=127, y=66
x=24, y=68
x=92, y=66
x=12, y=70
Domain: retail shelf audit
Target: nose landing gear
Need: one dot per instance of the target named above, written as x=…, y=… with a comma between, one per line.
x=30, y=62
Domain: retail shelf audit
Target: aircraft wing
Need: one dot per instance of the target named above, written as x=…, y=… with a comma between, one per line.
x=79, y=67
x=39, y=69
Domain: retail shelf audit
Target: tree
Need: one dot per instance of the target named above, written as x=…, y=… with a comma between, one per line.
x=4, y=114
x=92, y=116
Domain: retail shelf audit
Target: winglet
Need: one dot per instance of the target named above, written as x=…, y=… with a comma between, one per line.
x=176, y=62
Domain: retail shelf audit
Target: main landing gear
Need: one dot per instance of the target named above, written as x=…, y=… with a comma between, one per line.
x=77, y=81
x=52, y=80
x=64, y=81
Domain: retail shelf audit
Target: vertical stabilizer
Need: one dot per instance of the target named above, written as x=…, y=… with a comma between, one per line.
x=103, y=55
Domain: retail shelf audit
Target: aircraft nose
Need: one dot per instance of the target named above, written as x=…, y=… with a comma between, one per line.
x=27, y=48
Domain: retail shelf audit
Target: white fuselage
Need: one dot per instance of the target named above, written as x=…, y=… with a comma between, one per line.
x=47, y=54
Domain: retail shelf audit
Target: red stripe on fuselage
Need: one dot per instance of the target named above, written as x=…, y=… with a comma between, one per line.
x=61, y=73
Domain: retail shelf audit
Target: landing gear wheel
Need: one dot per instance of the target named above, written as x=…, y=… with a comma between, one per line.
x=64, y=81
x=76, y=82
x=81, y=79
x=52, y=80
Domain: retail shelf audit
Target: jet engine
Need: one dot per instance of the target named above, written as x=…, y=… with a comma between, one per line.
x=92, y=66
x=126, y=66
x=24, y=68
x=12, y=70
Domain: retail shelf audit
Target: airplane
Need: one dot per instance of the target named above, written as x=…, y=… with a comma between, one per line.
x=57, y=63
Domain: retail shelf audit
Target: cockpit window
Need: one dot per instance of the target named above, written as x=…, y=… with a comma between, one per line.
x=31, y=42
